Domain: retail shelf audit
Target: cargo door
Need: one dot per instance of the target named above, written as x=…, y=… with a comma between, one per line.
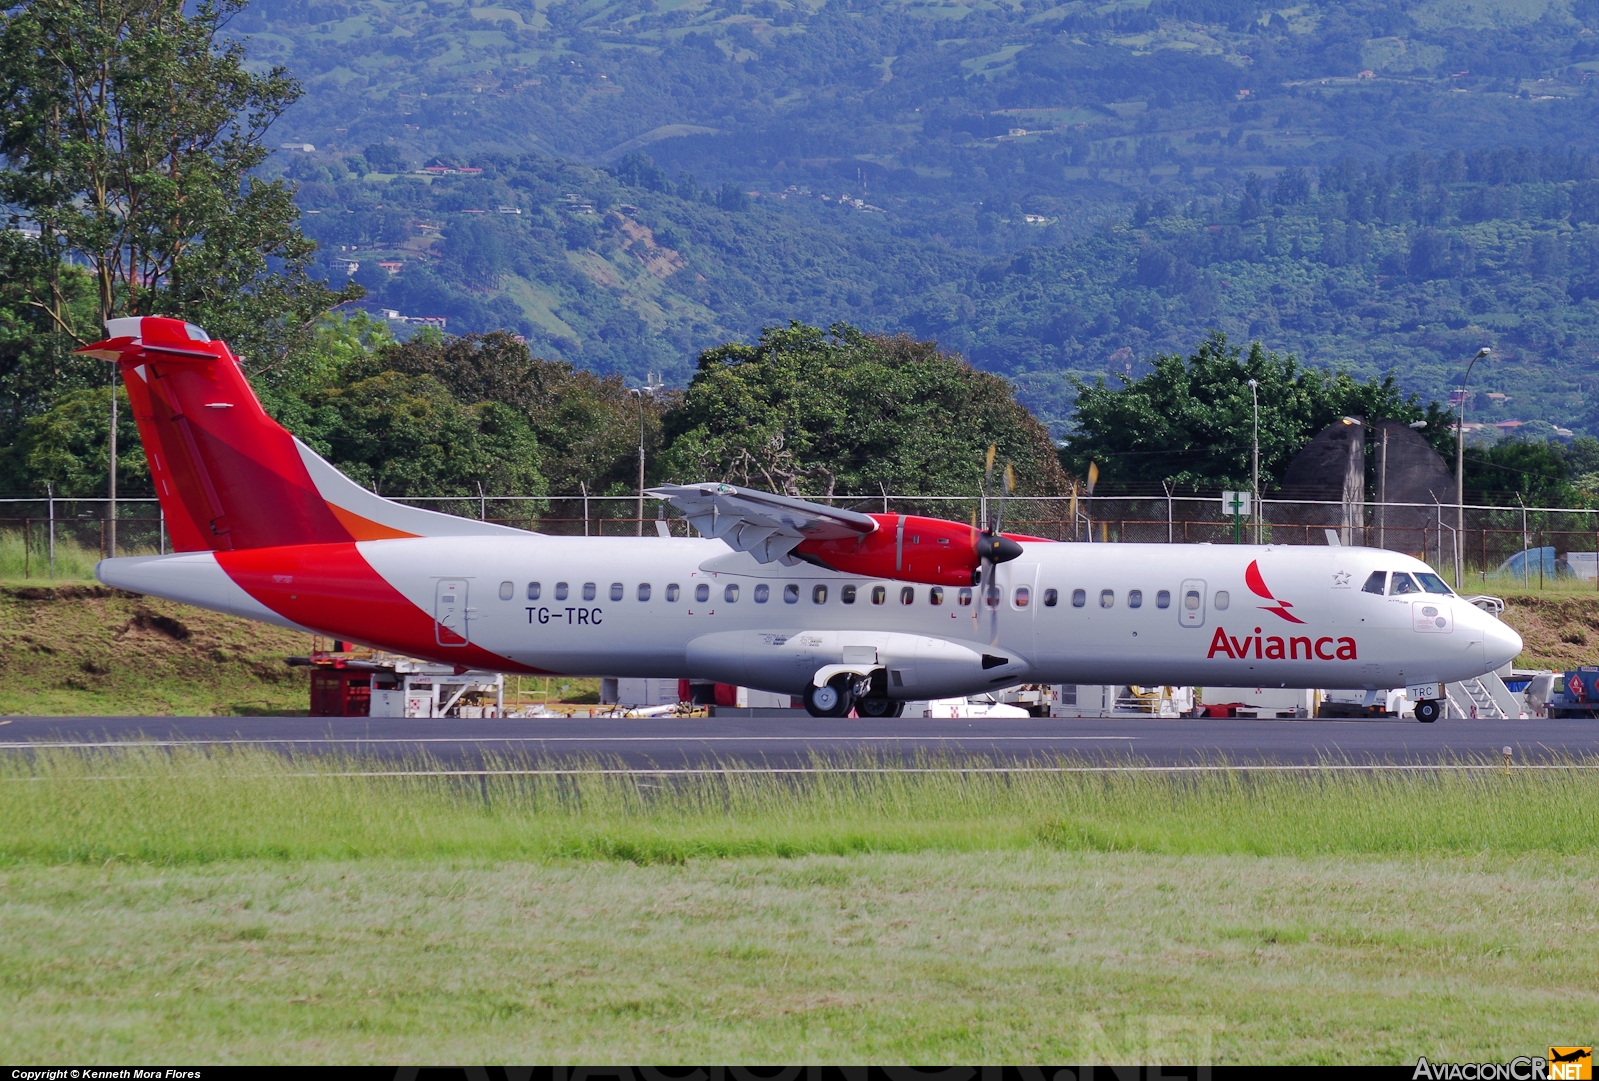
x=451, y=626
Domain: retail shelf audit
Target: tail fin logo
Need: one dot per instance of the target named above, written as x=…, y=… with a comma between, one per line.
x=1257, y=586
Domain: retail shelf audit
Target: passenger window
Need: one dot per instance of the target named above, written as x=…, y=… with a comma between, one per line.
x=643, y=591
x=1023, y=596
x=1433, y=584
x=964, y=597
x=907, y=595
x=560, y=591
x=1191, y=600
x=1375, y=583
x=879, y=594
x=763, y=593
x=507, y=590
x=819, y=595
x=935, y=596
x=1051, y=598
x=791, y=594
x=672, y=592
x=730, y=594
x=1163, y=599
x=533, y=591
x=616, y=591
x=588, y=591
x=1402, y=583
x=702, y=592
x=1223, y=598
x=1079, y=598
x=1135, y=598
x=847, y=594
x=1107, y=598
x=992, y=596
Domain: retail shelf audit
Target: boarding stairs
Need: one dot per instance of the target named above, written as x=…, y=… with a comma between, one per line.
x=1484, y=698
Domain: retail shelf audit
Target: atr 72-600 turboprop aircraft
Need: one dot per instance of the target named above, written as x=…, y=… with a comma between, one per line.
x=850, y=610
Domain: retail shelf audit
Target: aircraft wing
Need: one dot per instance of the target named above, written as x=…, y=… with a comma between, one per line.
x=767, y=526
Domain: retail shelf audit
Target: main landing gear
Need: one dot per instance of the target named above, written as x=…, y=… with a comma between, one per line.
x=845, y=692
x=1428, y=710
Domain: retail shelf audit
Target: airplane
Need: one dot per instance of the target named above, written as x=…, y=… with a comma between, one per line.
x=854, y=612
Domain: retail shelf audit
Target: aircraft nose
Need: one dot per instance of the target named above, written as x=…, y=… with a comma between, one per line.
x=1500, y=644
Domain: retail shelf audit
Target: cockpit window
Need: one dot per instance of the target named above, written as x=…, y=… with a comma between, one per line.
x=1402, y=583
x=1433, y=584
x=1376, y=583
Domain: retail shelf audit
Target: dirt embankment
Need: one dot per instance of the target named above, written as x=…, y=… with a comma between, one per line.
x=1560, y=630
x=88, y=649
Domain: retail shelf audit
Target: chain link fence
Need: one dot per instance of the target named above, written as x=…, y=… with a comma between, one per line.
x=32, y=528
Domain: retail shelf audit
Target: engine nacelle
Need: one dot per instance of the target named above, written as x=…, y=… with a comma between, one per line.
x=910, y=548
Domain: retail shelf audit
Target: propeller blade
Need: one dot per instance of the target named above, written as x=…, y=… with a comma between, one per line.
x=1004, y=494
x=988, y=480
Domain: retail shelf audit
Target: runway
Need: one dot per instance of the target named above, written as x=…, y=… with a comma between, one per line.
x=783, y=740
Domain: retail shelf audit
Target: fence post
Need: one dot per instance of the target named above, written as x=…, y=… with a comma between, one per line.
x=27, y=565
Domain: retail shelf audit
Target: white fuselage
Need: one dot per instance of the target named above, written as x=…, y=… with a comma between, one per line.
x=573, y=606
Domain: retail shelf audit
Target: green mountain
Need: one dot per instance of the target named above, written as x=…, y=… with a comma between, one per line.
x=1052, y=190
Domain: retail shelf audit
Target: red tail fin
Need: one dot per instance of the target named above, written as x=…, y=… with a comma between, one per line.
x=229, y=476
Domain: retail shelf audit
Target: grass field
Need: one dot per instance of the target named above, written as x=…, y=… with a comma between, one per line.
x=247, y=908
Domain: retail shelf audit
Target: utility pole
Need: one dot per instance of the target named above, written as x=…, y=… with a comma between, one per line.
x=111, y=474
x=1460, y=465
x=1254, y=473
x=640, y=394
x=1382, y=490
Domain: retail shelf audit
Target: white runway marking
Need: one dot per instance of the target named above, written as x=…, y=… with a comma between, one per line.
x=524, y=739
x=789, y=770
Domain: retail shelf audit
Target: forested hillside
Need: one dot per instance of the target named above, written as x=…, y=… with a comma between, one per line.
x=1052, y=190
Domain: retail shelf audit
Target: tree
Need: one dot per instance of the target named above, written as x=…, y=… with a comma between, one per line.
x=587, y=426
x=1191, y=419
x=131, y=134
x=812, y=412
x=1543, y=474
x=65, y=447
x=407, y=435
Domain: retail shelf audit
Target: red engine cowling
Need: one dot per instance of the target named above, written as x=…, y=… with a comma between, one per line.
x=912, y=549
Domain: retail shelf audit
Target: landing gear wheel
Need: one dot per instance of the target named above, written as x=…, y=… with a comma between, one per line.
x=835, y=698
x=878, y=707
x=1427, y=711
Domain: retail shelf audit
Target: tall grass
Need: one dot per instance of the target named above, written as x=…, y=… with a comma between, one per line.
x=73, y=561
x=149, y=804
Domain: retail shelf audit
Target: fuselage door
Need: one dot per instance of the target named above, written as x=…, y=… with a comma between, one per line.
x=450, y=614
x=1191, y=603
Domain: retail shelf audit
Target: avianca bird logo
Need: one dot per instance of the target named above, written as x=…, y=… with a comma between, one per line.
x=1257, y=586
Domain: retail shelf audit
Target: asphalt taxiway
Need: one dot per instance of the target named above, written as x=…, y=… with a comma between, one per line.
x=784, y=740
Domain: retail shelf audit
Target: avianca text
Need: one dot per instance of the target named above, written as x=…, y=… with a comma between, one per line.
x=1273, y=648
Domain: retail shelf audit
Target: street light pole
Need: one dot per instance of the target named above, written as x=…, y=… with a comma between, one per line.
x=1460, y=464
x=1254, y=472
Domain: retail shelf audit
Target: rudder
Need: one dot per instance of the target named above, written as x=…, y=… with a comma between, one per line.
x=229, y=476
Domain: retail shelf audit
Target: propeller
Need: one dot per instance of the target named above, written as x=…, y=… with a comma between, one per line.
x=993, y=547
